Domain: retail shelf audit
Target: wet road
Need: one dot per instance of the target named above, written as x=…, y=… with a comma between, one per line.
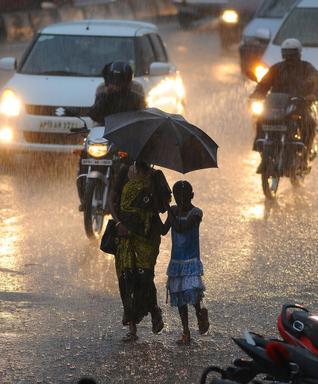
x=60, y=313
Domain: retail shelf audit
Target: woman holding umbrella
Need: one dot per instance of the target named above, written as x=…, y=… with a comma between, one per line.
x=150, y=136
x=139, y=228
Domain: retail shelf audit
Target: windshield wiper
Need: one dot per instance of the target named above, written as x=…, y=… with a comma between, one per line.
x=63, y=73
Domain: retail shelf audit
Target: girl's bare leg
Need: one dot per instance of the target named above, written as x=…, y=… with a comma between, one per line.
x=197, y=307
x=185, y=338
x=202, y=317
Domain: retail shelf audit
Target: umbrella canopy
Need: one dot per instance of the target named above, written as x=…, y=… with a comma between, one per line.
x=163, y=139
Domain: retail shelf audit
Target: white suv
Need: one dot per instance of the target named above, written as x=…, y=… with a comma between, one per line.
x=61, y=70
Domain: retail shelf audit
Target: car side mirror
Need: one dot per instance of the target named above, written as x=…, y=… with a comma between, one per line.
x=159, y=69
x=263, y=34
x=8, y=63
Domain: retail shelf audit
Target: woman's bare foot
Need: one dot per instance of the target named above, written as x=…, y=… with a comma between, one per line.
x=129, y=337
x=132, y=334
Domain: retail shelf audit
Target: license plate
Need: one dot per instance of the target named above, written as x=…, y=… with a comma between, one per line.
x=104, y=162
x=274, y=128
x=53, y=125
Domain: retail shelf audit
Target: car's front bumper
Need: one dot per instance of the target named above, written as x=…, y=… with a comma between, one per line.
x=22, y=147
x=41, y=134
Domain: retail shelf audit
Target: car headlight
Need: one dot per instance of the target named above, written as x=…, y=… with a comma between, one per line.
x=6, y=135
x=230, y=16
x=257, y=107
x=180, y=88
x=168, y=95
x=260, y=71
x=10, y=104
x=97, y=149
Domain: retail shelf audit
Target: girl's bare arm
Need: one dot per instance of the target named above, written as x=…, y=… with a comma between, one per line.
x=183, y=225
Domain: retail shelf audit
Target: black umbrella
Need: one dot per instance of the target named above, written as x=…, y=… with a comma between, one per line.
x=163, y=139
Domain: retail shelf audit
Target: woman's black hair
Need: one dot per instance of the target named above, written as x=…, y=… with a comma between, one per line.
x=142, y=166
x=183, y=189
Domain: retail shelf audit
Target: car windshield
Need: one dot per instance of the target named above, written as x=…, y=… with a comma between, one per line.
x=66, y=55
x=272, y=9
x=302, y=25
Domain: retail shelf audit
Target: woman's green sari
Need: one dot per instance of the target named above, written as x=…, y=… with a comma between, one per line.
x=137, y=253
x=141, y=248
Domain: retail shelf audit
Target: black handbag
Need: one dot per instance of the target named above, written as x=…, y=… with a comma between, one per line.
x=109, y=240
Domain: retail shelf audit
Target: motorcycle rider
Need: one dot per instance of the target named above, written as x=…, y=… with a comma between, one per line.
x=119, y=93
x=294, y=77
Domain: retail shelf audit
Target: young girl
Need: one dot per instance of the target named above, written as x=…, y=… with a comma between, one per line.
x=185, y=269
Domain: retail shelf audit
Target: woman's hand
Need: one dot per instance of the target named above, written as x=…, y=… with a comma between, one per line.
x=121, y=230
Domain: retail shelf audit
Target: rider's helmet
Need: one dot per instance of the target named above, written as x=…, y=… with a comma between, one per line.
x=291, y=49
x=118, y=73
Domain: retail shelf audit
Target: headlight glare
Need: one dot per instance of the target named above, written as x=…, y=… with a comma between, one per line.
x=6, y=135
x=180, y=88
x=97, y=150
x=230, y=16
x=257, y=107
x=10, y=104
x=167, y=95
x=260, y=71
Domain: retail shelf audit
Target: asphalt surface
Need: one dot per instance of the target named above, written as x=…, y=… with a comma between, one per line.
x=60, y=312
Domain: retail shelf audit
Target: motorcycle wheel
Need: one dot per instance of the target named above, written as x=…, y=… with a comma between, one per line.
x=270, y=185
x=93, y=215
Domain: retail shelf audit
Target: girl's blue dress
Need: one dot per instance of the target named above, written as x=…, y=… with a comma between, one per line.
x=185, y=269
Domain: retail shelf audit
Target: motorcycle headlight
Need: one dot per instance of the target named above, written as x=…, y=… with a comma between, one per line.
x=257, y=107
x=260, y=71
x=230, y=16
x=10, y=104
x=97, y=149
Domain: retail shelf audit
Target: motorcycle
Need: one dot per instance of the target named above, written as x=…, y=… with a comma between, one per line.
x=291, y=360
x=99, y=161
x=280, y=140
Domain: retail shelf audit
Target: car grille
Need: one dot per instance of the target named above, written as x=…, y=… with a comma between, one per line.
x=52, y=138
x=48, y=110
